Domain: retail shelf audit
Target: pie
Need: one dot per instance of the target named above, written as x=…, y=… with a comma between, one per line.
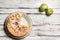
x=15, y=28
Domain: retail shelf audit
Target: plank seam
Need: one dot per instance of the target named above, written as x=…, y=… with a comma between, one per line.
x=22, y=8
x=31, y=13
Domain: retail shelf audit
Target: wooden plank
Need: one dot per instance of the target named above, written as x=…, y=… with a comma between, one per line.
x=56, y=11
x=38, y=19
x=32, y=38
x=28, y=3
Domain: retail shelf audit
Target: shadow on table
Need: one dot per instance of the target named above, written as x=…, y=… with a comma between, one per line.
x=7, y=32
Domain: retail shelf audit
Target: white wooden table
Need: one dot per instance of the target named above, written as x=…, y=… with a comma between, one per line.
x=43, y=27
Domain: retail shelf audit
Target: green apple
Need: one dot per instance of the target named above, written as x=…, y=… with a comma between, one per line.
x=43, y=7
x=49, y=11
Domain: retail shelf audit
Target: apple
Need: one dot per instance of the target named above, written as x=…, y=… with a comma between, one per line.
x=49, y=11
x=43, y=7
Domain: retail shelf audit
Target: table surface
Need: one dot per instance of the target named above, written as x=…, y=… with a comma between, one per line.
x=43, y=27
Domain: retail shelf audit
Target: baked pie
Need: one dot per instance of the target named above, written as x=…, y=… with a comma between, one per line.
x=15, y=27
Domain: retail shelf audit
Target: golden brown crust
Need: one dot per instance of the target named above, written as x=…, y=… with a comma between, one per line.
x=15, y=28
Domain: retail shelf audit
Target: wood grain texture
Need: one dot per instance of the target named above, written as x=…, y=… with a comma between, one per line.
x=38, y=19
x=43, y=27
x=56, y=10
x=32, y=38
x=28, y=3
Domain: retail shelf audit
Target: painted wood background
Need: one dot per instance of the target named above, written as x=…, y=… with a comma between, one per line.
x=43, y=27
